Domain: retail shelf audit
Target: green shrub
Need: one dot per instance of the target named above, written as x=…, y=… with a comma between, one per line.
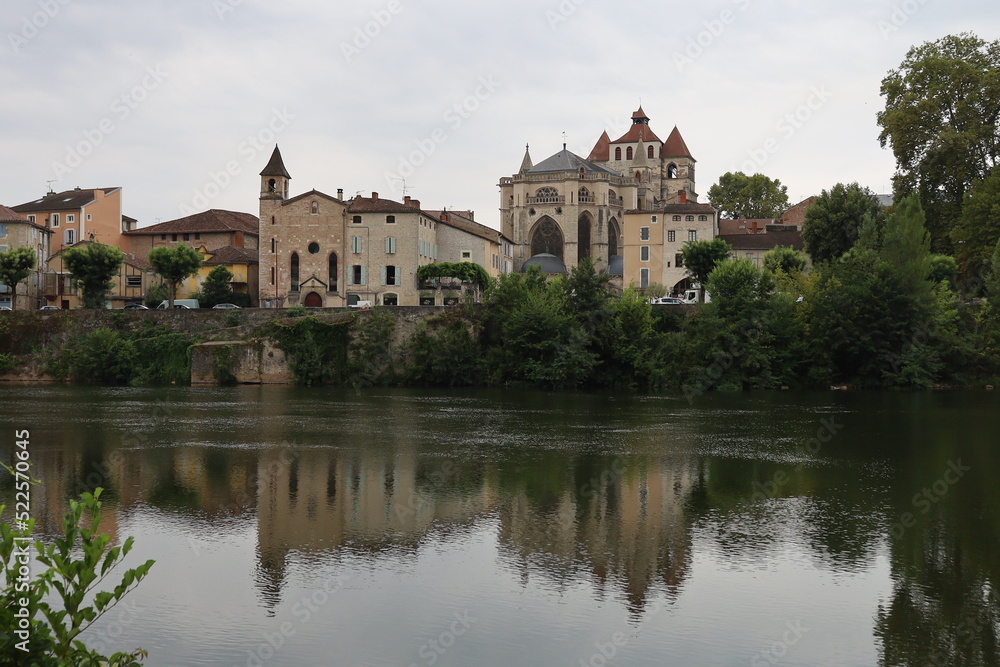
x=103, y=357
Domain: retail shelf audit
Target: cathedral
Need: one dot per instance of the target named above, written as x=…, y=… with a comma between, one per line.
x=567, y=207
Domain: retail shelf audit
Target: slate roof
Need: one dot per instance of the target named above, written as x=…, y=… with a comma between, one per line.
x=546, y=262
x=70, y=200
x=565, y=160
x=232, y=255
x=212, y=220
x=275, y=166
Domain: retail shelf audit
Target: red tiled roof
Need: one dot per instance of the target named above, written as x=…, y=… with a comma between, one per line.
x=637, y=129
x=232, y=255
x=764, y=241
x=463, y=223
x=138, y=262
x=378, y=205
x=9, y=215
x=602, y=149
x=675, y=146
x=213, y=220
x=744, y=225
x=70, y=200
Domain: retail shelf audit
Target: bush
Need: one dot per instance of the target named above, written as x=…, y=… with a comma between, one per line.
x=103, y=357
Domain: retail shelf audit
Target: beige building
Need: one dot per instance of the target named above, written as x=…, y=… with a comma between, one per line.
x=654, y=241
x=129, y=286
x=16, y=232
x=322, y=251
x=81, y=215
x=462, y=239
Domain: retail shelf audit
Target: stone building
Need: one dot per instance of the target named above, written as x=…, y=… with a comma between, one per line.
x=567, y=207
x=16, y=232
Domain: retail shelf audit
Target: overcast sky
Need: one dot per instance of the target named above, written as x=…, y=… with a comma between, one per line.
x=180, y=102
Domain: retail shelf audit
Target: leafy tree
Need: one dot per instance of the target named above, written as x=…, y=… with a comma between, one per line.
x=993, y=281
x=906, y=246
x=15, y=267
x=175, y=265
x=93, y=267
x=737, y=195
x=787, y=260
x=655, y=290
x=978, y=228
x=701, y=257
x=942, y=108
x=835, y=219
x=157, y=294
x=943, y=267
x=217, y=287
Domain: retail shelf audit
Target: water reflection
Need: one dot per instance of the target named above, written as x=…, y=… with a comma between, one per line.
x=621, y=494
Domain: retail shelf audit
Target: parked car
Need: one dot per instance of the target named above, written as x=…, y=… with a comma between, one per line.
x=225, y=306
x=5, y=308
x=361, y=304
x=666, y=300
x=50, y=308
x=181, y=303
x=134, y=306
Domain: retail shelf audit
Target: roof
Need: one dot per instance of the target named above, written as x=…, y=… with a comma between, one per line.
x=526, y=161
x=675, y=146
x=602, y=149
x=690, y=207
x=546, y=262
x=275, y=166
x=763, y=241
x=462, y=223
x=564, y=160
x=69, y=200
x=212, y=220
x=616, y=266
x=744, y=225
x=9, y=215
x=306, y=195
x=232, y=255
x=378, y=205
x=640, y=128
x=138, y=262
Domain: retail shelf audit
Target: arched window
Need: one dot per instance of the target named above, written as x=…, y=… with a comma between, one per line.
x=638, y=176
x=618, y=152
x=332, y=280
x=315, y=208
x=547, y=196
x=649, y=152
x=295, y=271
x=584, y=196
x=271, y=185
x=628, y=153
x=672, y=170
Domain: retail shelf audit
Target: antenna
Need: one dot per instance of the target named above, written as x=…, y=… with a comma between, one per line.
x=51, y=191
x=564, y=141
x=405, y=189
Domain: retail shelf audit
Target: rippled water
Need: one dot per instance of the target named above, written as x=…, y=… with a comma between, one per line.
x=395, y=527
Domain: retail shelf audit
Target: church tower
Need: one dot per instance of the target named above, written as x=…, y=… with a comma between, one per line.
x=677, y=186
x=274, y=178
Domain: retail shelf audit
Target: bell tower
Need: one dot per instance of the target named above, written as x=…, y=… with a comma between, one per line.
x=274, y=178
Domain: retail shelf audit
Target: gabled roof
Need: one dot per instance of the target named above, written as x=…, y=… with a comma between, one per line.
x=70, y=200
x=675, y=146
x=640, y=128
x=138, y=262
x=763, y=241
x=212, y=220
x=232, y=255
x=378, y=205
x=690, y=207
x=463, y=223
x=602, y=149
x=308, y=195
x=275, y=166
x=9, y=215
x=564, y=160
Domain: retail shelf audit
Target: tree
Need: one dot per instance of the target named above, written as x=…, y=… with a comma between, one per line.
x=906, y=246
x=787, y=260
x=15, y=267
x=217, y=287
x=978, y=228
x=942, y=108
x=93, y=267
x=175, y=265
x=700, y=257
x=835, y=219
x=737, y=195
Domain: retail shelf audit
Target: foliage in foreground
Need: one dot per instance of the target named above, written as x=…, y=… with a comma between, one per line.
x=64, y=600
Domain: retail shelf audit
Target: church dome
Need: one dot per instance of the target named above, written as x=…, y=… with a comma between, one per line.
x=546, y=262
x=616, y=266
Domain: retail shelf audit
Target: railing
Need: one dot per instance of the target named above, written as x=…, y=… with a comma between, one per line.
x=567, y=176
x=547, y=200
x=585, y=199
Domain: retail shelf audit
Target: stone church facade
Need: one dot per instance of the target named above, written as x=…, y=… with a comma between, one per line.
x=568, y=207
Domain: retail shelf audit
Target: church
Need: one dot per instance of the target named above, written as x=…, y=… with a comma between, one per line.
x=568, y=207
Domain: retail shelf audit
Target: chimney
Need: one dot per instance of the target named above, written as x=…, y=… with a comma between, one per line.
x=406, y=199
x=415, y=203
x=684, y=196
x=753, y=224
x=238, y=240
x=374, y=195
x=340, y=194
x=445, y=217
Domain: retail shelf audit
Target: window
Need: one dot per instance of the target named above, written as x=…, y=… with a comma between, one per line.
x=688, y=218
x=3, y=248
x=679, y=260
x=628, y=153
x=356, y=219
x=357, y=275
x=671, y=236
x=133, y=281
x=163, y=237
x=702, y=218
x=390, y=275
x=272, y=220
x=70, y=236
x=643, y=278
x=89, y=217
x=31, y=218
x=313, y=248
x=644, y=253
x=390, y=299
x=466, y=254
x=314, y=208
x=173, y=237
x=618, y=152
x=356, y=244
x=649, y=152
x=55, y=219
x=295, y=271
x=692, y=235
x=187, y=237
x=332, y=281
x=197, y=236
x=70, y=218
x=273, y=246
x=390, y=219
x=3, y=231
x=644, y=233
x=272, y=275
x=677, y=218
x=390, y=245
x=652, y=219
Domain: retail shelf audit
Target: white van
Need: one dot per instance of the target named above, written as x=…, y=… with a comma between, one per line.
x=691, y=296
x=179, y=303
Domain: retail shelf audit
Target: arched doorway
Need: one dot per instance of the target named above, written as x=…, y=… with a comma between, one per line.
x=614, y=234
x=313, y=300
x=547, y=238
x=583, y=237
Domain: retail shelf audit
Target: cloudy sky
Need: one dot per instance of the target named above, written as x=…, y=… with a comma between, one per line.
x=180, y=102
